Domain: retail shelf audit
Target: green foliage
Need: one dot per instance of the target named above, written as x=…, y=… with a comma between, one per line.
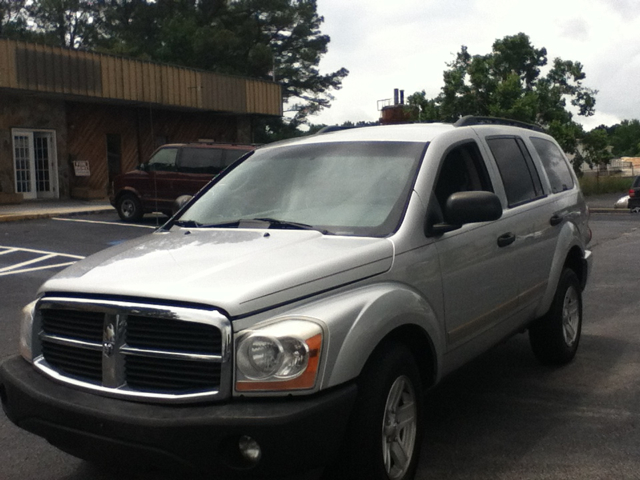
x=595, y=147
x=595, y=185
x=12, y=19
x=508, y=82
x=625, y=138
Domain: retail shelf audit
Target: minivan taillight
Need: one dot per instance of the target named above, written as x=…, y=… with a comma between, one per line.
x=632, y=192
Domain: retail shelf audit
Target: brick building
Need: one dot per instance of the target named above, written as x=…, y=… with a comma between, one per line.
x=72, y=120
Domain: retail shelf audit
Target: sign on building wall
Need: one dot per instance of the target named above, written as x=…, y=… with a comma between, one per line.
x=81, y=168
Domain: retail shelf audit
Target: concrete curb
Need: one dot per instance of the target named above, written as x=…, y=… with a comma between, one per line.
x=624, y=211
x=16, y=217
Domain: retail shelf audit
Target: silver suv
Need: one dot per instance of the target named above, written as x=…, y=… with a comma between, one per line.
x=292, y=315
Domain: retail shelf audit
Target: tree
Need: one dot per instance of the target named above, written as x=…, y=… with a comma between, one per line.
x=12, y=17
x=594, y=147
x=625, y=138
x=64, y=23
x=269, y=39
x=508, y=82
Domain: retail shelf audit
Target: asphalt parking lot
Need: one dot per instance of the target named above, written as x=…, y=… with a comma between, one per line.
x=502, y=417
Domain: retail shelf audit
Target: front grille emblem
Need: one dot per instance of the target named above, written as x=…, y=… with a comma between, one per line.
x=109, y=340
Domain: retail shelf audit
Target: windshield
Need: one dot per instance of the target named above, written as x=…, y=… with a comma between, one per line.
x=350, y=188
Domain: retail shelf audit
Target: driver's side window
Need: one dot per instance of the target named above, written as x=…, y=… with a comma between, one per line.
x=462, y=170
x=164, y=160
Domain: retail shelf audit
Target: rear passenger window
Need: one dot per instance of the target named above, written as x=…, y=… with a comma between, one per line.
x=201, y=160
x=208, y=160
x=519, y=175
x=555, y=165
x=231, y=155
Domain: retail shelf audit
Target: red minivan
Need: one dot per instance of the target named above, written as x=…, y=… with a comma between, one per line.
x=172, y=171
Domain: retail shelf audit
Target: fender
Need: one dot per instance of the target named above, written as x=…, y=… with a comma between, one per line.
x=567, y=240
x=358, y=320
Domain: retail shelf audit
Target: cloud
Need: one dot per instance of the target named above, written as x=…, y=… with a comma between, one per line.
x=575, y=29
x=627, y=9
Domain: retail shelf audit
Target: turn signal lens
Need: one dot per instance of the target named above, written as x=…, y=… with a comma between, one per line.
x=26, y=331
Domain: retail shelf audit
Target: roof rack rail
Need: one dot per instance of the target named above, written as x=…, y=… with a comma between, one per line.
x=332, y=128
x=471, y=120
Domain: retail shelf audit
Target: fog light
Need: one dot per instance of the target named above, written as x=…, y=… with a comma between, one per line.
x=249, y=449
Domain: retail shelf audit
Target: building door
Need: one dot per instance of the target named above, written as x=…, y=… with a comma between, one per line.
x=34, y=155
x=114, y=157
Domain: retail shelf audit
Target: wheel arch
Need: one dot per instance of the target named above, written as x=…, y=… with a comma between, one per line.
x=390, y=313
x=569, y=254
x=127, y=190
x=575, y=261
x=422, y=349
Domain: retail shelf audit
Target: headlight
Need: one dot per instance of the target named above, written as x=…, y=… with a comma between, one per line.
x=281, y=356
x=26, y=331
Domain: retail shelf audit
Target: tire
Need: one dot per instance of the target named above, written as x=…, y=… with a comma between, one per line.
x=129, y=208
x=555, y=337
x=635, y=210
x=385, y=430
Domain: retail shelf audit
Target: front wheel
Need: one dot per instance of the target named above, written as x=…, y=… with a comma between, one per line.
x=555, y=337
x=383, y=440
x=129, y=208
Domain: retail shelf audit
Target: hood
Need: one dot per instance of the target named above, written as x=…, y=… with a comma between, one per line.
x=237, y=270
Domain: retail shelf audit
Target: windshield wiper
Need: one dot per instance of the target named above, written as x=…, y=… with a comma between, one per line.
x=187, y=223
x=194, y=224
x=275, y=223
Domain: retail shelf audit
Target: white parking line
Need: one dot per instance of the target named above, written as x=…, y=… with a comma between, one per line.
x=45, y=267
x=28, y=262
x=42, y=256
x=102, y=223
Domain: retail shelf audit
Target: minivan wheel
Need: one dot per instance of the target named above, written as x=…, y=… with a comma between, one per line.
x=383, y=439
x=555, y=337
x=129, y=208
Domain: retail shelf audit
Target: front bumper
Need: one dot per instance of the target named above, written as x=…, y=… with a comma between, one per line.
x=296, y=434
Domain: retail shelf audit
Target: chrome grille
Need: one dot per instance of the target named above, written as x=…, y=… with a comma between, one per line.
x=74, y=324
x=164, y=374
x=139, y=351
x=76, y=362
x=158, y=333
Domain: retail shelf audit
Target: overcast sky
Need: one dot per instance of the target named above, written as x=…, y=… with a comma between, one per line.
x=405, y=44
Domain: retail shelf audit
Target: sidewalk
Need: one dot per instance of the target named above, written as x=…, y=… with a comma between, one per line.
x=52, y=208
x=32, y=209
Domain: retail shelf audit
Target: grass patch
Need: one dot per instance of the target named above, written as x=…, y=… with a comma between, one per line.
x=594, y=185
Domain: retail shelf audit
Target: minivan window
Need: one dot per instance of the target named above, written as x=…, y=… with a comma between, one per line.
x=208, y=160
x=519, y=176
x=345, y=188
x=554, y=164
x=201, y=160
x=164, y=160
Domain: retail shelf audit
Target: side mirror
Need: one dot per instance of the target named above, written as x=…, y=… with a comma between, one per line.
x=472, y=207
x=468, y=207
x=180, y=202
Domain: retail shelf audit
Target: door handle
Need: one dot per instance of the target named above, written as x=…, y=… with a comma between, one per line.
x=555, y=220
x=506, y=239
